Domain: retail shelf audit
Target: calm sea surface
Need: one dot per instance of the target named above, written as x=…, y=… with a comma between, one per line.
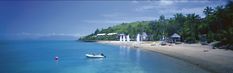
x=38, y=57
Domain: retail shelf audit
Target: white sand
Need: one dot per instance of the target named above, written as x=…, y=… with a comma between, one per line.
x=213, y=60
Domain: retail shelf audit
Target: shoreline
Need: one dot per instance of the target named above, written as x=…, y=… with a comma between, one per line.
x=213, y=60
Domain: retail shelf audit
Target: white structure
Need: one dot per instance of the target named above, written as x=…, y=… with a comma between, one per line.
x=120, y=38
x=175, y=37
x=111, y=33
x=163, y=38
x=144, y=36
x=138, y=38
x=101, y=34
x=124, y=38
x=128, y=38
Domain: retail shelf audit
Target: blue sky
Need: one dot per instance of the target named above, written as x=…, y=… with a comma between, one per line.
x=35, y=19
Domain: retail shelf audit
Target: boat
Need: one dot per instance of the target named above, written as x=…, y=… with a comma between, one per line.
x=95, y=56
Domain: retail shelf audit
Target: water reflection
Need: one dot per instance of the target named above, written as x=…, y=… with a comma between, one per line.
x=138, y=56
x=130, y=53
x=95, y=59
x=125, y=51
x=56, y=61
x=121, y=52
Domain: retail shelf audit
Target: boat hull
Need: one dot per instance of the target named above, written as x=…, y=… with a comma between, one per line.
x=94, y=56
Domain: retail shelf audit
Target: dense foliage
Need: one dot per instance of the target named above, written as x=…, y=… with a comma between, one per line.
x=217, y=25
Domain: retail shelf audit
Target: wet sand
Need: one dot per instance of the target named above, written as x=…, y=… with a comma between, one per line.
x=213, y=60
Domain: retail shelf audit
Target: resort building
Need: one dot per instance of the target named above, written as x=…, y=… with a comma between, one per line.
x=111, y=33
x=122, y=37
x=144, y=36
x=101, y=34
x=175, y=37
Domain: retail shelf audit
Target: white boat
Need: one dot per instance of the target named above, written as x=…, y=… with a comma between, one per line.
x=95, y=55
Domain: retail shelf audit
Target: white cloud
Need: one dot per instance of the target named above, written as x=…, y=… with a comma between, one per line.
x=143, y=8
x=107, y=21
x=151, y=10
x=111, y=15
x=166, y=2
x=116, y=18
x=154, y=5
x=123, y=20
x=134, y=1
x=183, y=10
x=145, y=18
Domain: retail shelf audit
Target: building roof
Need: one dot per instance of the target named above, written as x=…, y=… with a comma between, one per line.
x=111, y=33
x=101, y=34
x=144, y=34
x=175, y=35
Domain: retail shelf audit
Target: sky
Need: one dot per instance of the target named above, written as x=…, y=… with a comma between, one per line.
x=38, y=19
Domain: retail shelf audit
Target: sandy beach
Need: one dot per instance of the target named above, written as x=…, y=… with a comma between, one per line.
x=213, y=60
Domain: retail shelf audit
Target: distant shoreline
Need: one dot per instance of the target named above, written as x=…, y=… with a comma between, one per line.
x=213, y=60
x=87, y=40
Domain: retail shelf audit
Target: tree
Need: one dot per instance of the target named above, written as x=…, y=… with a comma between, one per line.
x=190, y=28
x=216, y=25
x=96, y=31
x=208, y=11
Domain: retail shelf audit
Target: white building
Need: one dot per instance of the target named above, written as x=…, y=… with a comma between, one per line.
x=111, y=33
x=123, y=37
x=101, y=34
x=144, y=36
x=138, y=38
x=128, y=38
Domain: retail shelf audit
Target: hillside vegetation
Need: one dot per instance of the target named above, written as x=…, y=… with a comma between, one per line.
x=217, y=25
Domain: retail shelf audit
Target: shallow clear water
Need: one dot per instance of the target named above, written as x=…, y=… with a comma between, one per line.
x=38, y=57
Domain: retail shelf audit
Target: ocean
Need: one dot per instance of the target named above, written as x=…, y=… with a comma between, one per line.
x=37, y=56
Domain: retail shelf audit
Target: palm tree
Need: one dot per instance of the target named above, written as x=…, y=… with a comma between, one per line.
x=190, y=27
x=208, y=11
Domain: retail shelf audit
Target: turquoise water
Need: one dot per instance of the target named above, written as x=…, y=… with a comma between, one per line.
x=38, y=57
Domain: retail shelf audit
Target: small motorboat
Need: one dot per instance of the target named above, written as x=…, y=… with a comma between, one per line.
x=95, y=55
